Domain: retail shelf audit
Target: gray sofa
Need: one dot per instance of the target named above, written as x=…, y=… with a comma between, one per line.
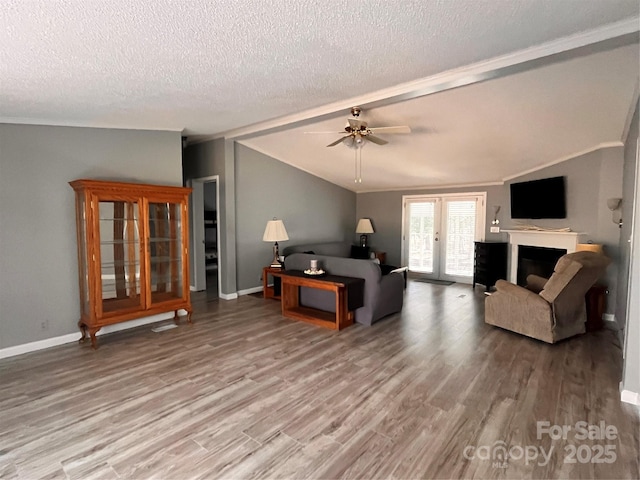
x=383, y=294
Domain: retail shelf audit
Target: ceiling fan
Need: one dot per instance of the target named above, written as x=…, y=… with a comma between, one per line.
x=357, y=132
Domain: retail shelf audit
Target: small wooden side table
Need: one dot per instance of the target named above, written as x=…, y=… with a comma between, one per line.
x=381, y=256
x=271, y=291
x=349, y=293
x=596, y=299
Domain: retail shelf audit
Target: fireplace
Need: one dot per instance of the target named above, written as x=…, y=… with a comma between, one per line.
x=537, y=261
x=554, y=240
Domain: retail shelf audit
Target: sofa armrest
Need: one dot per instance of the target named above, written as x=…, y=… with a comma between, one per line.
x=520, y=293
x=392, y=278
x=390, y=295
x=536, y=283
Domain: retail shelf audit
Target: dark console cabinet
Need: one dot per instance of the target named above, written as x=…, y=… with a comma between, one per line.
x=490, y=263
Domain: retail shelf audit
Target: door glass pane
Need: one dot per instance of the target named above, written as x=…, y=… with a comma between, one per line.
x=421, y=234
x=165, y=244
x=461, y=230
x=119, y=255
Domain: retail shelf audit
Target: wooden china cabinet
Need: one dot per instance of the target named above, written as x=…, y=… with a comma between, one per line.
x=132, y=252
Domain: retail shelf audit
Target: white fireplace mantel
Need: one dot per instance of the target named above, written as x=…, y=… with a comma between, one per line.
x=537, y=238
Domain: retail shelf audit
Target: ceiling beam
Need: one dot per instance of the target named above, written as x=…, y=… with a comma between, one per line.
x=606, y=38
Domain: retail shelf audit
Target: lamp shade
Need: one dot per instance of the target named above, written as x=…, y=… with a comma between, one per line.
x=590, y=247
x=364, y=226
x=275, y=231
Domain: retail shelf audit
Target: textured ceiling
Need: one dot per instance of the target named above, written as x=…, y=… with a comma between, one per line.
x=482, y=133
x=206, y=68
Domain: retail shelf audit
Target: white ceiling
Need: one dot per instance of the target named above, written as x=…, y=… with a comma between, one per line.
x=206, y=68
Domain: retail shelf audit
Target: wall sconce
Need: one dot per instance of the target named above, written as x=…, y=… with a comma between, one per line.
x=614, y=205
x=496, y=209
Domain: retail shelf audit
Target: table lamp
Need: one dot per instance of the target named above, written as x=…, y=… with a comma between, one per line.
x=364, y=227
x=275, y=232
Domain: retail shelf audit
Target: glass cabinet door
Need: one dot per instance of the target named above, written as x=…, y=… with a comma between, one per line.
x=83, y=258
x=165, y=251
x=119, y=231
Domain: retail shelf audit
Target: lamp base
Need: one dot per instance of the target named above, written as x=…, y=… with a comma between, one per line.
x=275, y=263
x=363, y=240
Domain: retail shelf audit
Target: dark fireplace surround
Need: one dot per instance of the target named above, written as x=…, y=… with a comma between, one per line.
x=537, y=261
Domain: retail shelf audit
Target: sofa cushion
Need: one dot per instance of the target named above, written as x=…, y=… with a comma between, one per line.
x=334, y=249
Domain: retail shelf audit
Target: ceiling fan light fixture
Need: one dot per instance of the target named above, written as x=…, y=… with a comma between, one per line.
x=355, y=141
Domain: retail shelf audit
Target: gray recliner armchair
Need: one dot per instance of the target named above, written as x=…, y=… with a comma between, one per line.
x=552, y=309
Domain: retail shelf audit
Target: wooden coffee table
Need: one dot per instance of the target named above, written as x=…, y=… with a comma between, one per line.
x=349, y=292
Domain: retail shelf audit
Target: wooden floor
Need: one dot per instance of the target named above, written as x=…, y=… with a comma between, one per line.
x=246, y=393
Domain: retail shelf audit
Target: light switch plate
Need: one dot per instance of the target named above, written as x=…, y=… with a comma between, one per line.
x=495, y=229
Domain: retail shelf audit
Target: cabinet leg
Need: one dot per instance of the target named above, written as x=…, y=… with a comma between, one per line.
x=189, y=312
x=176, y=318
x=94, y=341
x=83, y=331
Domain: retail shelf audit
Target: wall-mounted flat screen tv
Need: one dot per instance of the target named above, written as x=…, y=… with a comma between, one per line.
x=539, y=199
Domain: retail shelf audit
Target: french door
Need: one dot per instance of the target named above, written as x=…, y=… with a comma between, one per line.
x=438, y=234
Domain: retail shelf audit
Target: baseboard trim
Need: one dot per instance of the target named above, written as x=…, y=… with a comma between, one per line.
x=628, y=396
x=39, y=345
x=228, y=296
x=249, y=291
x=74, y=337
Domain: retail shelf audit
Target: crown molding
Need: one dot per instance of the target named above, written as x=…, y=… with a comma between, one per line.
x=586, y=151
x=433, y=187
x=38, y=122
x=604, y=38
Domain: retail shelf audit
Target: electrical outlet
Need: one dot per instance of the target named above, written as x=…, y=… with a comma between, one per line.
x=495, y=229
x=44, y=325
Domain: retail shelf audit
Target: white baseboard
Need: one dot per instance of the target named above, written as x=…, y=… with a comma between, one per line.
x=39, y=345
x=628, y=396
x=249, y=291
x=74, y=337
x=609, y=317
x=228, y=296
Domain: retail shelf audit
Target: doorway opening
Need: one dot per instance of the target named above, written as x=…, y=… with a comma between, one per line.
x=438, y=234
x=205, y=235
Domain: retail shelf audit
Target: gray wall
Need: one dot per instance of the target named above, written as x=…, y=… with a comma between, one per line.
x=385, y=211
x=590, y=180
x=312, y=209
x=628, y=188
x=38, y=260
x=204, y=160
x=629, y=273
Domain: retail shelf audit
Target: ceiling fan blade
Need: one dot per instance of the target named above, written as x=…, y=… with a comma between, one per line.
x=376, y=140
x=398, y=129
x=338, y=141
x=324, y=133
x=356, y=124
